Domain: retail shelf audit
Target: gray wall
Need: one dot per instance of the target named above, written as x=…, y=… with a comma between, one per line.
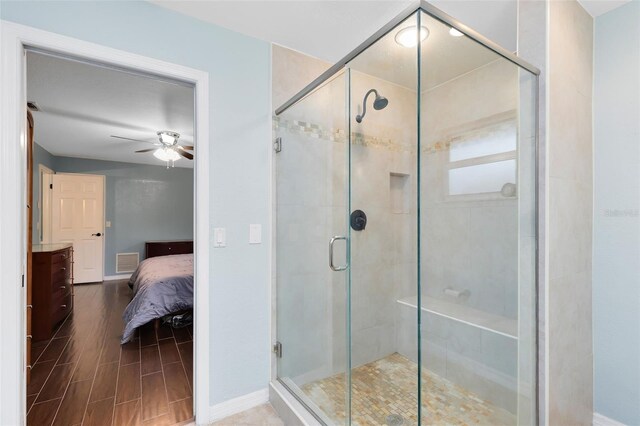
x=239, y=119
x=616, y=227
x=142, y=202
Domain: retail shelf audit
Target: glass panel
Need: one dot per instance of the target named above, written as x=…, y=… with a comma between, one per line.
x=476, y=251
x=311, y=208
x=383, y=279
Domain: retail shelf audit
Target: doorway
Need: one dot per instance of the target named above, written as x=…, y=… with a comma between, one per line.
x=77, y=217
x=14, y=169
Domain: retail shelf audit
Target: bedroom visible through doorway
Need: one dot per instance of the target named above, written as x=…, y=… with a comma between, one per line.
x=110, y=288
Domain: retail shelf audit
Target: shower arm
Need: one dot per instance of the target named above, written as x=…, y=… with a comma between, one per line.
x=359, y=117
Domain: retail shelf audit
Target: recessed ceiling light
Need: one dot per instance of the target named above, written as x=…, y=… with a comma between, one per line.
x=408, y=37
x=455, y=33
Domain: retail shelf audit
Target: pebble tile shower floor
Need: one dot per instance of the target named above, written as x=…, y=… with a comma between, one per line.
x=385, y=388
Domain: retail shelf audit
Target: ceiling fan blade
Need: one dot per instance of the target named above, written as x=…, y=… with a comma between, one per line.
x=187, y=147
x=146, y=150
x=185, y=154
x=135, y=140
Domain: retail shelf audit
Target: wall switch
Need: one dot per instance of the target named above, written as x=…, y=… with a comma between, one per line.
x=219, y=237
x=255, y=234
x=108, y=224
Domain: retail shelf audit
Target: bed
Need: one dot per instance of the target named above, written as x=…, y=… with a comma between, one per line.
x=162, y=284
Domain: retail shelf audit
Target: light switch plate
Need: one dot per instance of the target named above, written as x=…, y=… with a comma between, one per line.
x=255, y=233
x=108, y=224
x=219, y=237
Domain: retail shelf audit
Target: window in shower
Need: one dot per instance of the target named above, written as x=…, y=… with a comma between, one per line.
x=482, y=161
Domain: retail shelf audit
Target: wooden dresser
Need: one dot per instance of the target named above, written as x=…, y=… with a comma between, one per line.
x=52, y=287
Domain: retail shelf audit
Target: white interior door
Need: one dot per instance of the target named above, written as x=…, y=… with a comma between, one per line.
x=78, y=217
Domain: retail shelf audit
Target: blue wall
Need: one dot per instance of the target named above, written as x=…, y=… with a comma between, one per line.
x=616, y=256
x=142, y=202
x=239, y=73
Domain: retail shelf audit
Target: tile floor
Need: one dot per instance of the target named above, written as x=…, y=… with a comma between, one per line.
x=388, y=387
x=263, y=415
x=84, y=376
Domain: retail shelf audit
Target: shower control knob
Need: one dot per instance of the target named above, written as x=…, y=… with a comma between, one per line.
x=358, y=220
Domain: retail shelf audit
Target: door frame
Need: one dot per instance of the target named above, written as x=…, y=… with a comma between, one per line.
x=103, y=178
x=14, y=38
x=45, y=234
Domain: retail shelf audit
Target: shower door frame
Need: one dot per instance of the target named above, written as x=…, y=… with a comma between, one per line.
x=415, y=8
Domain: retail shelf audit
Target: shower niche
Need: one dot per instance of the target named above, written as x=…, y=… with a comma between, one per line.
x=426, y=315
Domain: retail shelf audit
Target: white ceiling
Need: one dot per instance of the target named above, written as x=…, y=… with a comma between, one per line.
x=83, y=104
x=599, y=7
x=444, y=57
x=329, y=29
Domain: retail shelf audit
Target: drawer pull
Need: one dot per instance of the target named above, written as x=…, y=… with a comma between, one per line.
x=29, y=306
x=29, y=367
x=63, y=286
x=63, y=269
x=29, y=336
x=63, y=306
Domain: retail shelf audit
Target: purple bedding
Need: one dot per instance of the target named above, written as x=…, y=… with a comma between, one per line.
x=161, y=285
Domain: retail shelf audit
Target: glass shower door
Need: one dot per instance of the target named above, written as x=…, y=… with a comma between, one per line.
x=311, y=222
x=383, y=230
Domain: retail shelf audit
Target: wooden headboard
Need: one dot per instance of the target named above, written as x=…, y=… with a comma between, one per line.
x=165, y=248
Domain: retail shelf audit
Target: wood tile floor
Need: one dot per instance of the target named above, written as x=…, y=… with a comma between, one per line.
x=84, y=376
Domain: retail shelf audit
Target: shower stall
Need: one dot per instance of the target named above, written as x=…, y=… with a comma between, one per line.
x=406, y=232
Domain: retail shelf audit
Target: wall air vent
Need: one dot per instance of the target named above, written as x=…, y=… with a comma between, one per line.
x=127, y=262
x=33, y=106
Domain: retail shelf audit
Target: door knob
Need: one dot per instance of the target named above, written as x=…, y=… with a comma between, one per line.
x=96, y=235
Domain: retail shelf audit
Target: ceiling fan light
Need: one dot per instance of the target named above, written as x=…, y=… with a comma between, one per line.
x=166, y=154
x=167, y=137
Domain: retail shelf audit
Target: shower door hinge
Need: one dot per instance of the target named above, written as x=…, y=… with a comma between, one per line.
x=277, y=145
x=277, y=349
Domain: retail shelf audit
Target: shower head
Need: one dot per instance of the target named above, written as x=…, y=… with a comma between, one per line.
x=379, y=103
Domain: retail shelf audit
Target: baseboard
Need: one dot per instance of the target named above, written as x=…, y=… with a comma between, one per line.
x=236, y=405
x=116, y=277
x=600, y=420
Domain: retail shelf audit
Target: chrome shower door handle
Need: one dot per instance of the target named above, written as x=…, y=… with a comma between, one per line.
x=331, y=265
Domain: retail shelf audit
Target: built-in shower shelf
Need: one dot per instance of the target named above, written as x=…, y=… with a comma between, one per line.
x=507, y=327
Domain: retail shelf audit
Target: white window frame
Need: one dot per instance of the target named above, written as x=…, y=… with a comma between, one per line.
x=477, y=127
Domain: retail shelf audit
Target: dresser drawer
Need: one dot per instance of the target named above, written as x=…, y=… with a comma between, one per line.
x=61, y=306
x=60, y=271
x=61, y=256
x=62, y=287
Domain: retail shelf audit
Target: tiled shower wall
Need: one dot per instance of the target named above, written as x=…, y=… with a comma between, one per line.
x=471, y=244
x=383, y=184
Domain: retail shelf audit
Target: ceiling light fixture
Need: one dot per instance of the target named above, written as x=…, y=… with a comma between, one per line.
x=455, y=33
x=167, y=154
x=408, y=37
x=168, y=138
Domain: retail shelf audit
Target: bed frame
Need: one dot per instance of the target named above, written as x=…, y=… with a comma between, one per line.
x=165, y=248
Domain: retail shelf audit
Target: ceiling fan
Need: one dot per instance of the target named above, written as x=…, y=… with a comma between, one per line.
x=167, y=148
